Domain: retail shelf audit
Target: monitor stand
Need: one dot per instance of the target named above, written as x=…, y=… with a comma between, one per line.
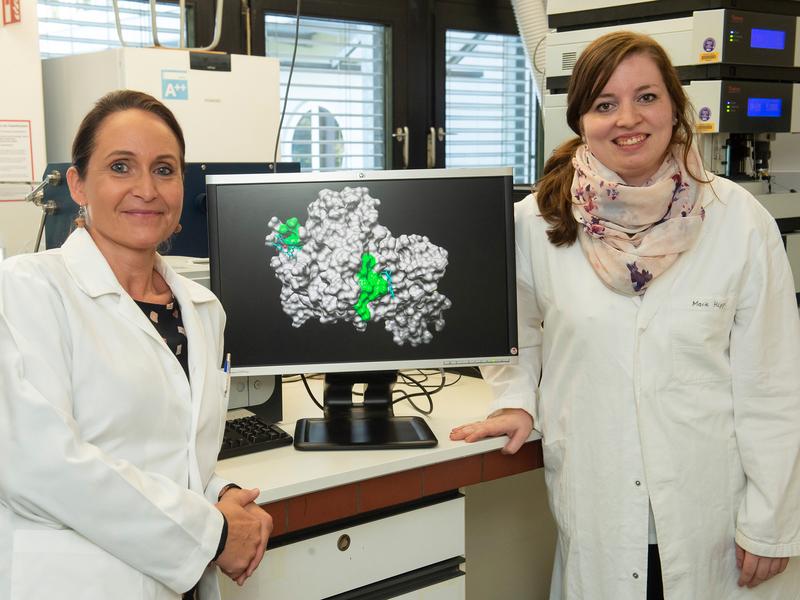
x=371, y=425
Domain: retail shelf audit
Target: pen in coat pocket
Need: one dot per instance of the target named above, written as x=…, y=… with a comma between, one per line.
x=227, y=369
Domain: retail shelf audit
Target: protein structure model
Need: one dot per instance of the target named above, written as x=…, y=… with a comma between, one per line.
x=342, y=265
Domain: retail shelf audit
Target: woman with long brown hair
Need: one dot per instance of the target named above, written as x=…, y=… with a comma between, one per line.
x=660, y=352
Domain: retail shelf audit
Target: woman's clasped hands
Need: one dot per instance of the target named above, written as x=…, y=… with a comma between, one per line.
x=249, y=528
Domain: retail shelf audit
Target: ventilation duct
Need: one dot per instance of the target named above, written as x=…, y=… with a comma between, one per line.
x=531, y=18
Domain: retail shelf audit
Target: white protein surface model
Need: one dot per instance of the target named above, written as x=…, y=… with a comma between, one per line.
x=343, y=265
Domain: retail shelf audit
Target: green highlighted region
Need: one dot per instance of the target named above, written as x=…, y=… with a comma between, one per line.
x=373, y=286
x=290, y=236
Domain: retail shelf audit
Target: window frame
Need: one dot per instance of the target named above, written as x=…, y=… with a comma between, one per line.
x=392, y=15
x=495, y=17
x=362, y=115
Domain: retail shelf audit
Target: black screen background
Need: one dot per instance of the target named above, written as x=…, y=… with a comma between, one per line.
x=470, y=217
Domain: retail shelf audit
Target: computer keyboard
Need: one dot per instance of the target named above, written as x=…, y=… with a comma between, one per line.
x=247, y=434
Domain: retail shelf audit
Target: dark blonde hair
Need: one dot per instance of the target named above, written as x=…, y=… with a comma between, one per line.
x=593, y=69
x=114, y=102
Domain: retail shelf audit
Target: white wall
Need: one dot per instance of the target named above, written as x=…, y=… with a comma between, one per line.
x=21, y=99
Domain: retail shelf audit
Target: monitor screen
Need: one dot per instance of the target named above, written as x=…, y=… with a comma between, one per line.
x=364, y=271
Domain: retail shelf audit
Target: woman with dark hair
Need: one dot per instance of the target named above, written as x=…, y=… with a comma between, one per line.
x=660, y=354
x=112, y=393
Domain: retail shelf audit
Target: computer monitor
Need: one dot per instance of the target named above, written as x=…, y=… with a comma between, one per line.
x=359, y=274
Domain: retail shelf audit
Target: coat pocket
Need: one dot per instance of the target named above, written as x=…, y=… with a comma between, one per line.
x=211, y=421
x=224, y=387
x=700, y=328
x=50, y=564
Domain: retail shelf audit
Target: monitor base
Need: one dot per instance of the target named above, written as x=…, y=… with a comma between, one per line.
x=367, y=425
x=363, y=434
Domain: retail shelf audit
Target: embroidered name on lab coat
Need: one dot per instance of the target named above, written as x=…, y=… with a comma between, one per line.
x=708, y=303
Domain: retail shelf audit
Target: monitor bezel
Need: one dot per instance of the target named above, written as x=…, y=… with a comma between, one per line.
x=215, y=181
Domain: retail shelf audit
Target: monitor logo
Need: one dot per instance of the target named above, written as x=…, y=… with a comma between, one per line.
x=342, y=265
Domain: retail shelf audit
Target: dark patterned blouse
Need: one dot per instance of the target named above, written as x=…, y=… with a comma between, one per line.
x=166, y=318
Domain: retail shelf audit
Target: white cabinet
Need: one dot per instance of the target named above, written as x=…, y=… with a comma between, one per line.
x=356, y=556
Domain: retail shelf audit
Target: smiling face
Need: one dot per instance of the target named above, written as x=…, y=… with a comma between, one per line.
x=629, y=125
x=132, y=185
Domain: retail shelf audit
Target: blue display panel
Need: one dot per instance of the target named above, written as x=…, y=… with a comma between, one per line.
x=768, y=39
x=764, y=107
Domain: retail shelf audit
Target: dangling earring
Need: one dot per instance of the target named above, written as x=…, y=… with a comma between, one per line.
x=674, y=121
x=83, y=216
x=178, y=229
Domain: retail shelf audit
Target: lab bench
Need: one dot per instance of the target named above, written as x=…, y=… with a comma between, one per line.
x=373, y=523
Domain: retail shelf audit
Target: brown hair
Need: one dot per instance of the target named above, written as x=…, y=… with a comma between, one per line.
x=592, y=71
x=114, y=102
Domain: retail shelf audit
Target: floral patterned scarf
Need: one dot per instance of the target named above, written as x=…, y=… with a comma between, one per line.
x=633, y=234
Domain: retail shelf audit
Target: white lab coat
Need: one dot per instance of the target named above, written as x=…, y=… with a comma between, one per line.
x=689, y=396
x=108, y=455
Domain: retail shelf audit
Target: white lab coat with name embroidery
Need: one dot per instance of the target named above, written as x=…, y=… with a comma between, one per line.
x=108, y=455
x=689, y=396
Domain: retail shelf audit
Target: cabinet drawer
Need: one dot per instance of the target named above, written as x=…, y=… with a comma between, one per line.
x=356, y=556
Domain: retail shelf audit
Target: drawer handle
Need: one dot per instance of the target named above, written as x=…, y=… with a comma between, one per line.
x=343, y=543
